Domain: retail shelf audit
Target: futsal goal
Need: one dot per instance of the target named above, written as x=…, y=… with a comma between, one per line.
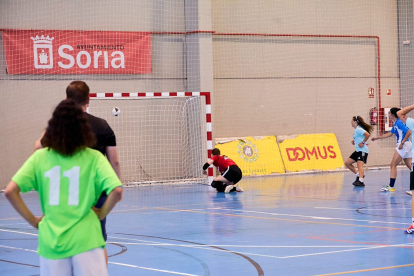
x=162, y=137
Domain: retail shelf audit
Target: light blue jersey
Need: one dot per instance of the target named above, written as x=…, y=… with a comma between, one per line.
x=410, y=124
x=400, y=130
x=359, y=138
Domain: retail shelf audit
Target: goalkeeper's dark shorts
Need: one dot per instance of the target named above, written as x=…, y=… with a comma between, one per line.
x=233, y=174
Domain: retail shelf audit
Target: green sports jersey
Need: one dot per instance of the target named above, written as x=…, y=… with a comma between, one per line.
x=68, y=187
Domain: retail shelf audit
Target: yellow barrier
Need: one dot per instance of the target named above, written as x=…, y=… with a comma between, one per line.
x=254, y=155
x=310, y=152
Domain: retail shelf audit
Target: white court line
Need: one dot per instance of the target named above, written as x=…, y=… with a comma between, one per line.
x=140, y=267
x=13, y=224
x=121, y=264
x=254, y=254
x=153, y=269
x=251, y=254
x=17, y=232
x=239, y=246
x=349, y=250
x=312, y=217
x=369, y=209
x=17, y=248
x=292, y=256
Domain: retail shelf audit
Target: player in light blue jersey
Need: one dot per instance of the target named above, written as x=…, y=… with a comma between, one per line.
x=402, y=150
x=360, y=155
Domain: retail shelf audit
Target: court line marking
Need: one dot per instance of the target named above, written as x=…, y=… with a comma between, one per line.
x=247, y=253
x=282, y=257
x=18, y=248
x=258, y=268
x=239, y=252
x=10, y=219
x=302, y=221
x=369, y=209
x=146, y=242
x=243, y=246
x=153, y=269
x=358, y=242
x=276, y=257
x=18, y=232
x=314, y=217
x=115, y=263
x=366, y=270
x=280, y=214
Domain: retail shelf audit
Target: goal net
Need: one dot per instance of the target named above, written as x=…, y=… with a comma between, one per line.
x=160, y=139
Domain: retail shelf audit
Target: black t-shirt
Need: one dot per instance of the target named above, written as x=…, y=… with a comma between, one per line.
x=105, y=136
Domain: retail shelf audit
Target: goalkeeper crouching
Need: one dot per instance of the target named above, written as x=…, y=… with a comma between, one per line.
x=230, y=173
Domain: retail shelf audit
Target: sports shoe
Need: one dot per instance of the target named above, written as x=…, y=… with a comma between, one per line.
x=410, y=193
x=228, y=188
x=239, y=188
x=358, y=183
x=410, y=230
x=387, y=189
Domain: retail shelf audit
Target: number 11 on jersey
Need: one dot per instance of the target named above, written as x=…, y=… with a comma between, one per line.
x=54, y=188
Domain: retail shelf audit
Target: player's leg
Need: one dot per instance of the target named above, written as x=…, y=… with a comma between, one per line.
x=91, y=263
x=237, y=177
x=349, y=164
x=227, y=183
x=218, y=185
x=407, y=162
x=410, y=230
x=61, y=267
x=233, y=174
x=396, y=159
x=360, y=181
x=221, y=179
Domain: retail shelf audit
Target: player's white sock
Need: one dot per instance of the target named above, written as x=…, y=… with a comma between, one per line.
x=361, y=179
x=357, y=174
x=412, y=219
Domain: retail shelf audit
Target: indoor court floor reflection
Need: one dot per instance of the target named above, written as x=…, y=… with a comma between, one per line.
x=308, y=224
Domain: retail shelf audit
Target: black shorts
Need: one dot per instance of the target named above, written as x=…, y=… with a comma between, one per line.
x=359, y=156
x=412, y=178
x=233, y=174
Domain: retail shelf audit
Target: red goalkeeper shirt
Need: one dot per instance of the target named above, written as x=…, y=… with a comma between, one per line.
x=222, y=162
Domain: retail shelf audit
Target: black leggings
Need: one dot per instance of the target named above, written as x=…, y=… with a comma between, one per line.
x=220, y=186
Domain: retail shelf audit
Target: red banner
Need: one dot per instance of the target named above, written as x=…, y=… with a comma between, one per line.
x=77, y=52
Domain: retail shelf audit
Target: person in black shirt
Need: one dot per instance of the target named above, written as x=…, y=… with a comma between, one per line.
x=78, y=91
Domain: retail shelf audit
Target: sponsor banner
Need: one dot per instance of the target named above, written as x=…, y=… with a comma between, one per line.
x=310, y=152
x=254, y=155
x=77, y=52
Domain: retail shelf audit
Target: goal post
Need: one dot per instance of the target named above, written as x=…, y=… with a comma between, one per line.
x=162, y=137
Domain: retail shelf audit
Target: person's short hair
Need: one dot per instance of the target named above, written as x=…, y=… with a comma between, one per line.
x=78, y=91
x=215, y=151
x=68, y=130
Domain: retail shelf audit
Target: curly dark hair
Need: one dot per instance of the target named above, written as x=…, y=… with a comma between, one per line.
x=68, y=130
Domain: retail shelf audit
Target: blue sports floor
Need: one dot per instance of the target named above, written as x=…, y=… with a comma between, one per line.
x=312, y=224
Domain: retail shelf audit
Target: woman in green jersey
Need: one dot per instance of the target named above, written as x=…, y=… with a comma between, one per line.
x=69, y=178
